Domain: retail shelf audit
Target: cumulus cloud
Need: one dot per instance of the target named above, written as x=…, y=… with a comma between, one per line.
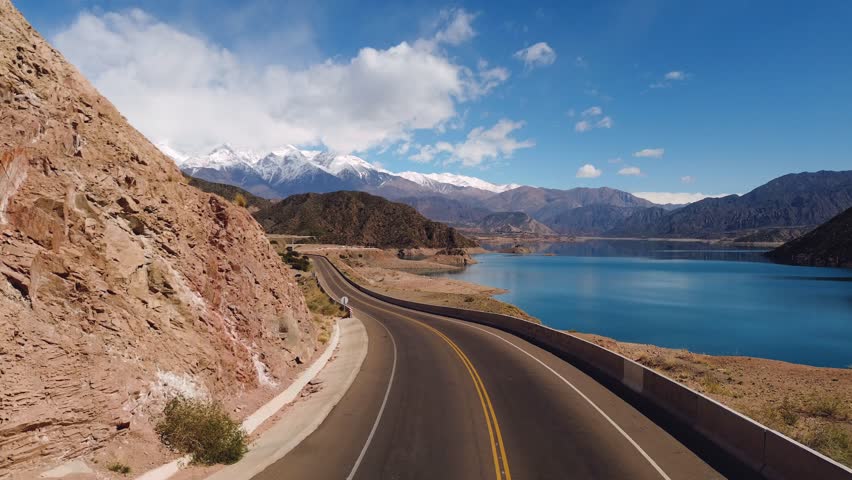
x=687, y=179
x=481, y=145
x=182, y=89
x=630, y=171
x=588, y=171
x=591, y=121
x=676, y=198
x=650, y=153
x=538, y=55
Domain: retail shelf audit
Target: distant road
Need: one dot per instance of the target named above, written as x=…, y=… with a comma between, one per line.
x=439, y=398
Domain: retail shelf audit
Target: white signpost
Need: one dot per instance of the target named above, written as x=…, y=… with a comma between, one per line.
x=344, y=300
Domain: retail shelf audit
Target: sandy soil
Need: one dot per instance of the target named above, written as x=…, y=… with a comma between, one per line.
x=384, y=272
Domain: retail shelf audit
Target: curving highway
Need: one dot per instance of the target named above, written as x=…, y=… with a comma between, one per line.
x=438, y=398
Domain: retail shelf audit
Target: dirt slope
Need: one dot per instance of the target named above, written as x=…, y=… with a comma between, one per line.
x=119, y=283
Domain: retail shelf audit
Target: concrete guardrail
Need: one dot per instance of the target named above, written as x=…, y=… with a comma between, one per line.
x=773, y=455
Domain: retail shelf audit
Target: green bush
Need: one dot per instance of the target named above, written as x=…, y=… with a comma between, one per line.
x=118, y=467
x=296, y=260
x=203, y=430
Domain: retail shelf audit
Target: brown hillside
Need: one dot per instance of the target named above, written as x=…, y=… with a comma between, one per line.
x=119, y=283
x=358, y=218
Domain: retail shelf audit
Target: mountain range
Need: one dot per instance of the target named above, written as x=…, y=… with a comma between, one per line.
x=455, y=199
x=782, y=208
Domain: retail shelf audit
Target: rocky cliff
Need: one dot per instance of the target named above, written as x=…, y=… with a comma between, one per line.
x=119, y=283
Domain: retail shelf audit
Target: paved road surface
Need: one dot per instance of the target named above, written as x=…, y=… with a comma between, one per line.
x=438, y=398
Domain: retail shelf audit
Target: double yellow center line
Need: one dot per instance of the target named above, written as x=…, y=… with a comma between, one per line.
x=498, y=450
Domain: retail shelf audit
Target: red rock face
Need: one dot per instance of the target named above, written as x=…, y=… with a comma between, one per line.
x=118, y=282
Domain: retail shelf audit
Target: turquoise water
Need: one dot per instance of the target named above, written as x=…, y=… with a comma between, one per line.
x=690, y=296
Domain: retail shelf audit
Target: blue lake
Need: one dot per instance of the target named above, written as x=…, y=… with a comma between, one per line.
x=681, y=295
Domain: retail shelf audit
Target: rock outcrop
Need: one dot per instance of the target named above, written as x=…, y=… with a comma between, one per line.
x=119, y=283
x=513, y=223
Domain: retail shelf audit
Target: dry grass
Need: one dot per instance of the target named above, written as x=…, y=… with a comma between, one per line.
x=808, y=404
x=323, y=309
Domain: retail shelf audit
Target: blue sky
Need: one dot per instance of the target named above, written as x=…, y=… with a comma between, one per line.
x=722, y=96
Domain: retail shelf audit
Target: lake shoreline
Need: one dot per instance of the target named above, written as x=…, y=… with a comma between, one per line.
x=807, y=403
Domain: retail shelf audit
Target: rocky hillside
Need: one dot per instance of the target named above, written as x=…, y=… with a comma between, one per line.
x=798, y=200
x=358, y=218
x=830, y=245
x=119, y=283
x=512, y=223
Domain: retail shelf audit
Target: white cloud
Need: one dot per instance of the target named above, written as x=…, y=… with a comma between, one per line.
x=669, y=77
x=663, y=198
x=588, y=171
x=480, y=145
x=458, y=27
x=427, y=153
x=687, y=179
x=589, y=122
x=592, y=111
x=615, y=160
x=605, y=122
x=537, y=55
x=180, y=88
x=630, y=171
x=650, y=153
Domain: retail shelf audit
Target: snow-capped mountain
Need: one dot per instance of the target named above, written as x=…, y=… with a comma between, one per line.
x=439, y=181
x=288, y=170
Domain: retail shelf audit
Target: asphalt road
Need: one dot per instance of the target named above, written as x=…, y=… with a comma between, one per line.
x=439, y=398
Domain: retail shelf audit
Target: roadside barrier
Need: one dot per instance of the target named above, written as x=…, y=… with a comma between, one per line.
x=773, y=455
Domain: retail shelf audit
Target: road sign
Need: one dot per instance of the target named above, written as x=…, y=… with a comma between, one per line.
x=344, y=301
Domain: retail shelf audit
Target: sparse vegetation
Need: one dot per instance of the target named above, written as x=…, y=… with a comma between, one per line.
x=118, y=467
x=202, y=429
x=296, y=259
x=240, y=200
x=321, y=306
x=832, y=440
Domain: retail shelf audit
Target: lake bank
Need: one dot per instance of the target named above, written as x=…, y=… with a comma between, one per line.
x=704, y=299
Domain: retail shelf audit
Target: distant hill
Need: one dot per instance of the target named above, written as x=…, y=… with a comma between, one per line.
x=513, y=222
x=358, y=218
x=592, y=219
x=800, y=200
x=829, y=245
x=545, y=201
x=230, y=192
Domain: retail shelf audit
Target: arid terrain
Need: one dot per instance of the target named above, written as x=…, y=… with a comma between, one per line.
x=407, y=278
x=120, y=284
x=810, y=404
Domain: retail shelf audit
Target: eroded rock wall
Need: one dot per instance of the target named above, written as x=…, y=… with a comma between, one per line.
x=119, y=283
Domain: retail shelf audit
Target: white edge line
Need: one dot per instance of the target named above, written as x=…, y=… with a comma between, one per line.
x=611, y=421
x=381, y=409
x=384, y=400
